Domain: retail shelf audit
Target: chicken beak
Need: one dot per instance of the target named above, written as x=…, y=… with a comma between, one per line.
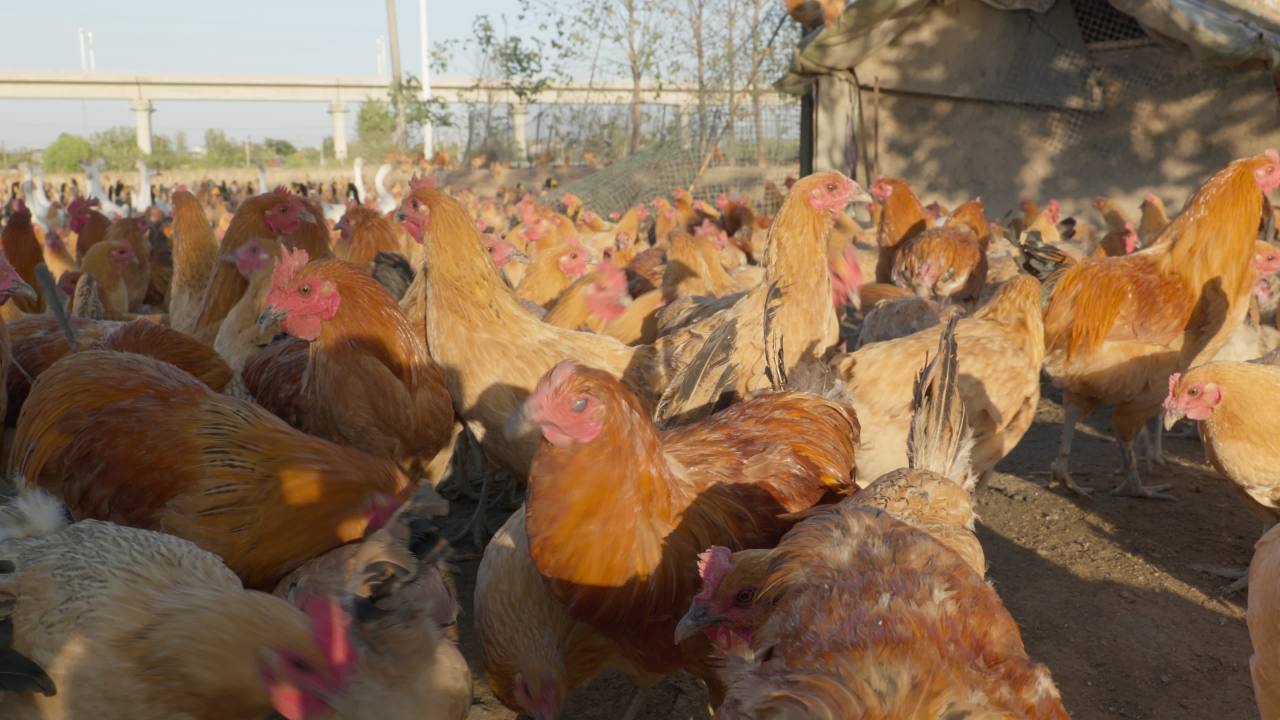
x=229, y=258
x=1171, y=418
x=860, y=196
x=517, y=255
x=307, y=216
x=269, y=317
x=23, y=290
x=695, y=621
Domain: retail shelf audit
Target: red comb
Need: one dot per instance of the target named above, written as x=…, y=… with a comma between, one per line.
x=713, y=566
x=291, y=261
x=1272, y=155
x=422, y=182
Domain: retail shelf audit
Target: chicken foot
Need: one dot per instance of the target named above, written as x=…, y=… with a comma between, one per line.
x=1131, y=484
x=1059, y=471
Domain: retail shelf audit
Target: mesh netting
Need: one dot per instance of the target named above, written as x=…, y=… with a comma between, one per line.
x=741, y=159
x=1101, y=23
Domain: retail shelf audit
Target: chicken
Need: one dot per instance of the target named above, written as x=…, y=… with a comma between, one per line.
x=693, y=268
x=492, y=351
x=1262, y=614
x=22, y=252
x=812, y=14
x=1154, y=219
x=944, y=263
x=939, y=643
x=1113, y=216
x=1001, y=348
x=535, y=653
x=108, y=265
x=89, y=225
x=57, y=256
x=900, y=317
x=275, y=214
x=134, y=440
x=244, y=330
x=408, y=666
x=364, y=233
x=369, y=382
x=195, y=256
x=137, y=273
x=11, y=285
x=901, y=218
x=1116, y=328
x=1232, y=403
x=139, y=625
x=1118, y=243
x=551, y=273
x=767, y=332
x=725, y=480
x=1046, y=223
x=598, y=301
x=511, y=263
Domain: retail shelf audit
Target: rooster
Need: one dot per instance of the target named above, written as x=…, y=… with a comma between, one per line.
x=22, y=252
x=1116, y=328
x=89, y=225
x=369, y=382
x=729, y=479
x=936, y=641
x=133, y=440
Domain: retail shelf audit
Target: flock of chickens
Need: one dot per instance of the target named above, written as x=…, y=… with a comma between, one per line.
x=741, y=457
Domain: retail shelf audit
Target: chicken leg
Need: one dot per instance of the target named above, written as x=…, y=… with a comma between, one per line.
x=1060, y=471
x=1127, y=421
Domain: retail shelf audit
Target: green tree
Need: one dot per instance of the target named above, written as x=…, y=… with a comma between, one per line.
x=117, y=145
x=66, y=153
x=221, y=151
x=375, y=126
x=281, y=148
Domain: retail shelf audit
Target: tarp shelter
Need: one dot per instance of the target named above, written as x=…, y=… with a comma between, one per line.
x=1040, y=98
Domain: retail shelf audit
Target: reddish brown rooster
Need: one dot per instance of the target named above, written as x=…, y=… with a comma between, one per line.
x=136, y=441
x=901, y=218
x=728, y=479
x=23, y=252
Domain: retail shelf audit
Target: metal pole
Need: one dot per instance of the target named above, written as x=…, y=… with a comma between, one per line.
x=394, y=31
x=84, y=53
x=380, y=48
x=92, y=58
x=428, y=142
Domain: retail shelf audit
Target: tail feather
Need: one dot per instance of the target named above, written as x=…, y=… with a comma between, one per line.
x=1041, y=259
x=31, y=514
x=940, y=440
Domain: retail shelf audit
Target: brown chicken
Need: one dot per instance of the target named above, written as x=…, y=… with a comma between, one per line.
x=1116, y=328
x=901, y=218
x=1233, y=401
x=158, y=628
x=275, y=214
x=1001, y=348
x=756, y=341
x=364, y=233
x=551, y=273
x=23, y=252
x=11, y=285
x=938, y=643
x=137, y=275
x=945, y=263
x=195, y=256
x=108, y=265
x=492, y=351
x=136, y=441
x=244, y=331
x=726, y=480
x=1154, y=219
x=89, y=225
x=1264, y=608
x=899, y=317
x=369, y=382
x=535, y=653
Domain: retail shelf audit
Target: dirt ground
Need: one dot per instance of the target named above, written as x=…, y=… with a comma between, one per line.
x=1106, y=589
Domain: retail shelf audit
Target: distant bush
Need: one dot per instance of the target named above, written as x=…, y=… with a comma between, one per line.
x=66, y=153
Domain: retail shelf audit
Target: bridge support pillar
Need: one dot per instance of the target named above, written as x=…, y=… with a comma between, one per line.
x=519, y=121
x=142, y=110
x=338, y=111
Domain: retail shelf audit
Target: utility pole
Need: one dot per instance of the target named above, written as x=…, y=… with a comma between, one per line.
x=428, y=141
x=394, y=33
x=380, y=47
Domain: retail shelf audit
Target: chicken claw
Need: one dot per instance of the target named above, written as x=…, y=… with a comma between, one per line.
x=1132, y=487
x=1058, y=474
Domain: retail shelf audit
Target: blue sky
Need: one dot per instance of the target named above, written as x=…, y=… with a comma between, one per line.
x=315, y=37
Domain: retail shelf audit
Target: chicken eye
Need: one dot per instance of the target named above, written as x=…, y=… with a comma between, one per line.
x=744, y=597
x=1193, y=392
x=579, y=405
x=304, y=290
x=573, y=256
x=831, y=187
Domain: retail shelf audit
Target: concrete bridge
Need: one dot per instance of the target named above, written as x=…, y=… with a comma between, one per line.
x=143, y=90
